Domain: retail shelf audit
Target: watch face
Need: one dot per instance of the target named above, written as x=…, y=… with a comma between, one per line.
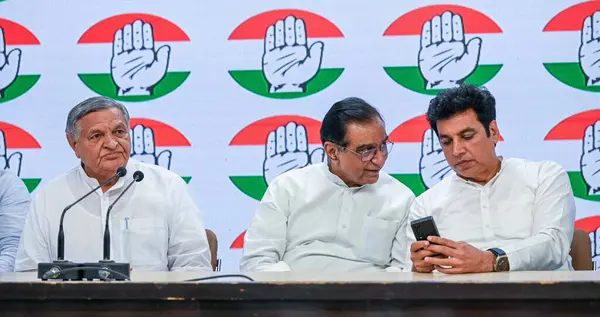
x=502, y=264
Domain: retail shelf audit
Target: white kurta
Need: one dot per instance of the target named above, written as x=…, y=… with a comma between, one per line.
x=309, y=220
x=527, y=210
x=155, y=226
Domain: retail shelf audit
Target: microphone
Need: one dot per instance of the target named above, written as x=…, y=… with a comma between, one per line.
x=137, y=177
x=121, y=171
x=60, y=268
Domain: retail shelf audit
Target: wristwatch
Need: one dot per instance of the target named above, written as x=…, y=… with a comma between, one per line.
x=501, y=264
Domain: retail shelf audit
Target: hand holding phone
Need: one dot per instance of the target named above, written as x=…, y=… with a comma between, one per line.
x=424, y=227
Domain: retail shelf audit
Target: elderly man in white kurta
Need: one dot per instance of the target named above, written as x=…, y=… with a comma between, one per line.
x=494, y=213
x=342, y=216
x=155, y=226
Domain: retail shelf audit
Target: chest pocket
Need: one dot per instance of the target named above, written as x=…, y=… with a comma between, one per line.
x=147, y=243
x=376, y=239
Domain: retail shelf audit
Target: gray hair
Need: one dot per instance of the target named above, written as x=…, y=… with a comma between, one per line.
x=87, y=106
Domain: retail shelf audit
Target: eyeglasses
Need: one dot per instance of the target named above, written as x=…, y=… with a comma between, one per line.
x=369, y=154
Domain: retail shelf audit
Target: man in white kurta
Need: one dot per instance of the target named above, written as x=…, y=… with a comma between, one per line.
x=527, y=210
x=494, y=214
x=155, y=226
x=342, y=216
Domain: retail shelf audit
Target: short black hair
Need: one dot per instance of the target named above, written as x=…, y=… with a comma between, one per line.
x=343, y=112
x=459, y=99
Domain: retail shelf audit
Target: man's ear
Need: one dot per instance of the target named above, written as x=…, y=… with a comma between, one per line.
x=494, y=132
x=331, y=150
x=72, y=143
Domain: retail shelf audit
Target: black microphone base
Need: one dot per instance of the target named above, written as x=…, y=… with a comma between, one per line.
x=53, y=270
x=102, y=272
x=70, y=271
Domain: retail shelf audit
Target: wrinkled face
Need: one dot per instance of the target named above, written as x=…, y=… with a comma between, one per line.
x=468, y=149
x=361, y=139
x=104, y=143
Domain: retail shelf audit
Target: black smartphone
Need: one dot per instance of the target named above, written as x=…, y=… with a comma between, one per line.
x=424, y=227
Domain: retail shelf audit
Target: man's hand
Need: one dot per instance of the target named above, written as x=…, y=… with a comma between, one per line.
x=288, y=63
x=135, y=66
x=445, y=60
x=462, y=257
x=589, y=50
x=9, y=65
x=418, y=252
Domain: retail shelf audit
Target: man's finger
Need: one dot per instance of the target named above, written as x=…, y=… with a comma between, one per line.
x=596, y=25
x=442, y=249
x=588, y=139
x=148, y=36
x=271, y=146
x=436, y=29
x=149, y=141
x=418, y=245
x=127, y=38
x=290, y=30
x=118, y=42
x=427, y=145
x=449, y=270
x=270, y=39
x=138, y=38
x=443, y=241
x=290, y=137
x=426, y=34
x=423, y=253
x=280, y=139
x=2, y=42
x=2, y=144
x=279, y=34
x=586, y=31
x=442, y=261
x=300, y=32
x=138, y=139
x=458, y=31
x=446, y=26
x=302, y=138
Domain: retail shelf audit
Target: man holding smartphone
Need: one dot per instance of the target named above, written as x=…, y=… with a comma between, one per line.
x=494, y=213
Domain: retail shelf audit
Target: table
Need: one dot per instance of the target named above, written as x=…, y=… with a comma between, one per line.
x=308, y=294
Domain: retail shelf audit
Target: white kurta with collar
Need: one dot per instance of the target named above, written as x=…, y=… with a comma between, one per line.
x=155, y=226
x=527, y=210
x=310, y=220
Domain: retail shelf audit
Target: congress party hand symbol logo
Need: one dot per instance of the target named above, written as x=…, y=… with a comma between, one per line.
x=288, y=62
x=9, y=64
x=287, y=149
x=579, y=24
x=143, y=147
x=449, y=52
x=10, y=162
x=433, y=166
x=136, y=67
x=590, y=158
x=589, y=51
x=445, y=60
